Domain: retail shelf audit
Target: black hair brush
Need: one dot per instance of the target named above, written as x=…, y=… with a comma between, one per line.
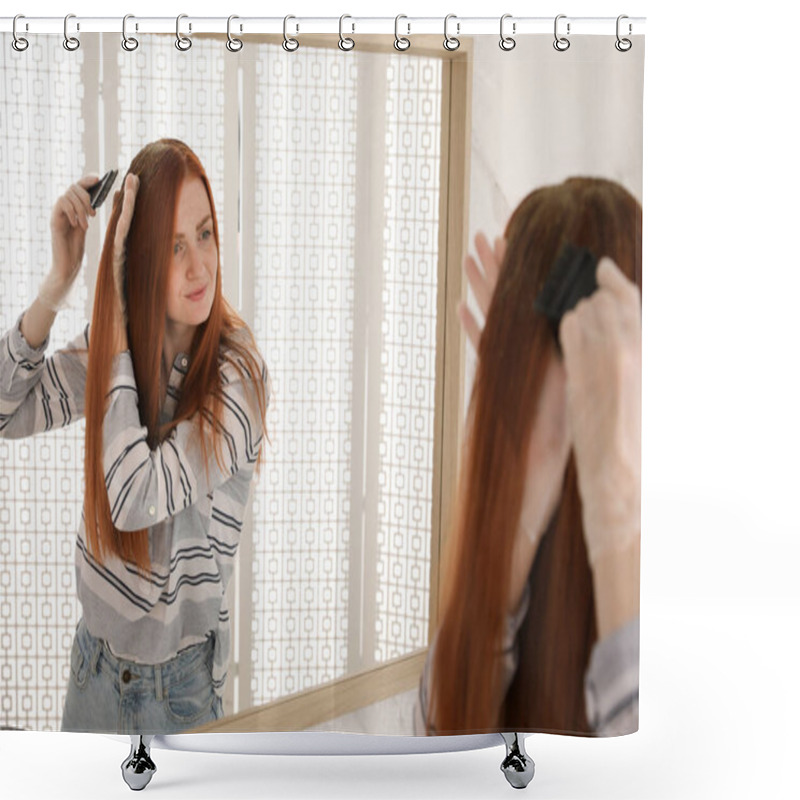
x=572, y=277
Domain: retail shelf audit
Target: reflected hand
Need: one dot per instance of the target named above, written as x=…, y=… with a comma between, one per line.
x=601, y=339
x=483, y=280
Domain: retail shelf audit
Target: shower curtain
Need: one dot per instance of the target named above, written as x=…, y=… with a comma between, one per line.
x=349, y=189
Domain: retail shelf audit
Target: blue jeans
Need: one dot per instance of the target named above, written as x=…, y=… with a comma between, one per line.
x=110, y=695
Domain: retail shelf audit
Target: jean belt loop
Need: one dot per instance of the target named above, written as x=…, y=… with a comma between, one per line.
x=95, y=662
x=158, y=682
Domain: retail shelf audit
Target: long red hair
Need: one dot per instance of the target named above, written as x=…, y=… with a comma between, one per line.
x=162, y=167
x=559, y=630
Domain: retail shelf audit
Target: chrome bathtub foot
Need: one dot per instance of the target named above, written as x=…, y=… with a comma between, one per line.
x=138, y=768
x=517, y=766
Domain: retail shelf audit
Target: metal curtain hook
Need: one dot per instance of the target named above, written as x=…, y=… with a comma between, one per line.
x=233, y=44
x=451, y=43
x=182, y=42
x=507, y=42
x=19, y=43
x=129, y=43
x=289, y=44
x=561, y=43
x=71, y=43
x=623, y=45
x=345, y=43
x=400, y=42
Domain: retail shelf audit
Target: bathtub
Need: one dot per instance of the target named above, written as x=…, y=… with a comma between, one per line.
x=139, y=767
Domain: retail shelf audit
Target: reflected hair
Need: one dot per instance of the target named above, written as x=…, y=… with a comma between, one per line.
x=162, y=168
x=559, y=630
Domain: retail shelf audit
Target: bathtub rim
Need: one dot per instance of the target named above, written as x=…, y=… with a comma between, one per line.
x=304, y=743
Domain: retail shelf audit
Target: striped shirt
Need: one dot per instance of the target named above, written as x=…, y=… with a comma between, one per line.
x=194, y=521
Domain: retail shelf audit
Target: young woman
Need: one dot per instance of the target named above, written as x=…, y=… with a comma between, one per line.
x=174, y=392
x=539, y=630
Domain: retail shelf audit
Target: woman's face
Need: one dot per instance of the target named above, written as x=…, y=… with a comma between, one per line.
x=192, y=279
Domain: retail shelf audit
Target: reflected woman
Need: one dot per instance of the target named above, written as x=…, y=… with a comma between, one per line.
x=174, y=392
x=540, y=630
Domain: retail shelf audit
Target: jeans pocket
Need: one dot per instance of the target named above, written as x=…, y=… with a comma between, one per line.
x=190, y=699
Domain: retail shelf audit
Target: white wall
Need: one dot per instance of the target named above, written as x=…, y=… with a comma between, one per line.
x=540, y=116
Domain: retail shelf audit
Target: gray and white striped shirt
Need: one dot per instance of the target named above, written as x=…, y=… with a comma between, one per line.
x=194, y=522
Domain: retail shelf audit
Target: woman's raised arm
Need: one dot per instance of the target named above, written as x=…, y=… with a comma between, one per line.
x=38, y=394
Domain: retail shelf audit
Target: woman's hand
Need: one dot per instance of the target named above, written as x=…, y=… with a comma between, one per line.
x=69, y=222
x=601, y=339
x=129, y=191
x=482, y=279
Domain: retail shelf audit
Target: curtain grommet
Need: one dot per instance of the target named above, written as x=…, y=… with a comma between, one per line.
x=233, y=44
x=129, y=43
x=345, y=42
x=401, y=43
x=451, y=43
x=19, y=43
x=623, y=44
x=561, y=43
x=182, y=43
x=507, y=43
x=289, y=44
x=71, y=43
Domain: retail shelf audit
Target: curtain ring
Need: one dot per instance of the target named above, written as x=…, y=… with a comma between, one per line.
x=561, y=43
x=19, y=43
x=233, y=44
x=71, y=43
x=507, y=42
x=129, y=43
x=623, y=45
x=451, y=43
x=183, y=43
x=289, y=44
x=400, y=42
x=345, y=43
